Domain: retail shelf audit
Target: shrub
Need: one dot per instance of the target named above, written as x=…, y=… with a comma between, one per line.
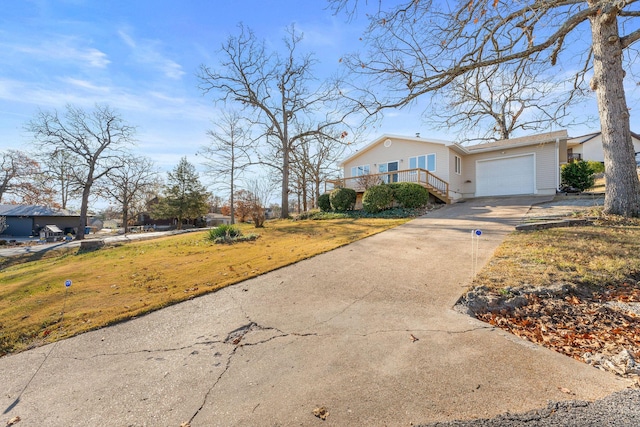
x=410, y=195
x=377, y=198
x=596, y=167
x=343, y=199
x=319, y=215
x=229, y=234
x=324, y=203
x=578, y=175
x=225, y=231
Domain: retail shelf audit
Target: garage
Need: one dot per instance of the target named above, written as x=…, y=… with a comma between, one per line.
x=506, y=176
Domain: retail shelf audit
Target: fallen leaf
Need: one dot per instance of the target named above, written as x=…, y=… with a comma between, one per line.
x=12, y=421
x=413, y=338
x=321, y=413
x=565, y=390
x=185, y=424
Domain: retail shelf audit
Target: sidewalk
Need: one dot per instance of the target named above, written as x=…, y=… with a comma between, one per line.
x=365, y=331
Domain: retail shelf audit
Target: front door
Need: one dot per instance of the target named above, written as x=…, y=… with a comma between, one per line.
x=389, y=167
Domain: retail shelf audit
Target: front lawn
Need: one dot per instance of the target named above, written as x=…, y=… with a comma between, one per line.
x=575, y=290
x=120, y=282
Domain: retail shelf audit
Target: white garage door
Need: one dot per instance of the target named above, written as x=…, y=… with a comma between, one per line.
x=503, y=177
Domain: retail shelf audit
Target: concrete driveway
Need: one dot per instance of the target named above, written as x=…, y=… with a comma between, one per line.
x=336, y=331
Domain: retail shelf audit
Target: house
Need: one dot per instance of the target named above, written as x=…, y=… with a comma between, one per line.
x=214, y=219
x=28, y=220
x=450, y=171
x=589, y=147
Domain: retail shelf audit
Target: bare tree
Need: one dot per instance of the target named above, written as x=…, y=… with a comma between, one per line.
x=490, y=104
x=260, y=189
x=419, y=47
x=59, y=173
x=314, y=160
x=324, y=154
x=17, y=170
x=95, y=140
x=215, y=203
x=283, y=102
x=227, y=156
x=3, y=224
x=129, y=185
x=38, y=191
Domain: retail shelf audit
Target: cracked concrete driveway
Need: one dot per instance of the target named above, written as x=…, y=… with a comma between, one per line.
x=336, y=331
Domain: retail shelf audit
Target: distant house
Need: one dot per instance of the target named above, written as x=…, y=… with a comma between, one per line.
x=28, y=220
x=214, y=219
x=449, y=171
x=589, y=147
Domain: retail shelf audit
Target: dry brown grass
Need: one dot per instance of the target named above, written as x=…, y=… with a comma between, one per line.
x=599, y=255
x=593, y=319
x=121, y=282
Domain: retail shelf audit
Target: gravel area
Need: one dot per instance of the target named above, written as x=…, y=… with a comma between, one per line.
x=619, y=409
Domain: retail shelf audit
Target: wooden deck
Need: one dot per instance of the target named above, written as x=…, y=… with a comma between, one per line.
x=439, y=188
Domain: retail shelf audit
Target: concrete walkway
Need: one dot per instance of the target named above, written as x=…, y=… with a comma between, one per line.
x=335, y=331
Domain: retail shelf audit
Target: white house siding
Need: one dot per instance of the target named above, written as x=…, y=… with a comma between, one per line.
x=400, y=150
x=457, y=183
x=546, y=177
x=592, y=149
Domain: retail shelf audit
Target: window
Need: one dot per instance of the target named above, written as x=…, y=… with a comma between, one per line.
x=427, y=162
x=458, y=165
x=388, y=167
x=360, y=170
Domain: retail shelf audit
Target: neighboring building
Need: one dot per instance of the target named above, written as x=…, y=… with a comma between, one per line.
x=527, y=165
x=51, y=233
x=28, y=220
x=214, y=219
x=589, y=147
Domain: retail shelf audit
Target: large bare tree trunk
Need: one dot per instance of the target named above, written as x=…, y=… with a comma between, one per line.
x=623, y=188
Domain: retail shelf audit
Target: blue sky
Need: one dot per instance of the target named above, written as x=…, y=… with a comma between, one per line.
x=141, y=58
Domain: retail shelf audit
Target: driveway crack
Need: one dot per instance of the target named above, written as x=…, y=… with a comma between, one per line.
x=234, y=338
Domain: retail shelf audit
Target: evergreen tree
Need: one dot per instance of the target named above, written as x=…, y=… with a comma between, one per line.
x=185, y=197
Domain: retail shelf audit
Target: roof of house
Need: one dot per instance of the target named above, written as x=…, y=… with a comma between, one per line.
x=588, y=137
x=524, y=141
x=32, y=210
x=542, y=138
x=386, y=136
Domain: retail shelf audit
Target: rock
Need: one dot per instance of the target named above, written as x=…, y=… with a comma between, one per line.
x=623, y=363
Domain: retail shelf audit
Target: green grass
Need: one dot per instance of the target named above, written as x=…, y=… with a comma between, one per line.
x=120, y=282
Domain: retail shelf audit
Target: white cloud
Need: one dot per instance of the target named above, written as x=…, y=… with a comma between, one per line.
x=127, y=39
x=148, y=52
x=61, y=49
x=86, y=85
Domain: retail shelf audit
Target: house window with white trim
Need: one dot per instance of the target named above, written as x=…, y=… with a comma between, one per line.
x=458, y=165
x=427, y=162
x=360, y=170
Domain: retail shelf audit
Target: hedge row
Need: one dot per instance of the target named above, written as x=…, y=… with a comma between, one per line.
x=406, y=195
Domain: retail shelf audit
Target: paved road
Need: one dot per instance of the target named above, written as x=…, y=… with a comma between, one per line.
x=9, y=251
x=366, y=331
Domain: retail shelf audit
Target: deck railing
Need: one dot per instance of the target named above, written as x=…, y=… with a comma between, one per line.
x=419, y=176
x=574, y=157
